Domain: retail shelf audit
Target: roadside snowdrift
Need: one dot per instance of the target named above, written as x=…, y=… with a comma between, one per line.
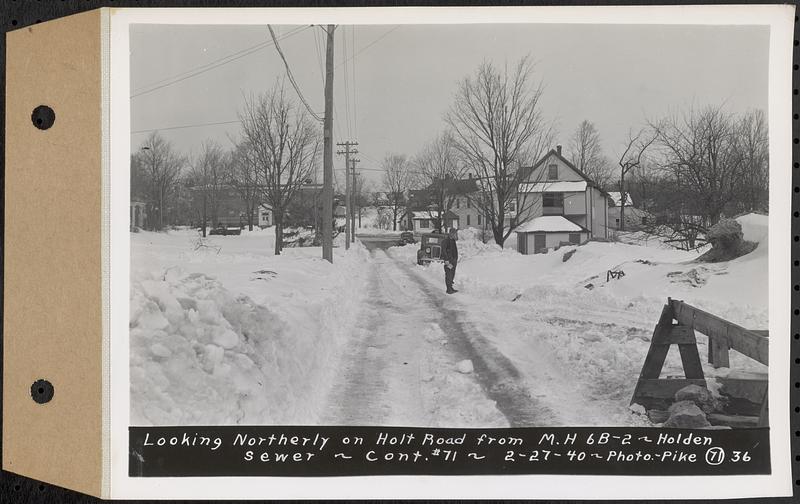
x=599, y=328
x=227, y=333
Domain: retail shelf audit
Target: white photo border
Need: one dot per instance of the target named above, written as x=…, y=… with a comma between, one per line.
x=780, y=20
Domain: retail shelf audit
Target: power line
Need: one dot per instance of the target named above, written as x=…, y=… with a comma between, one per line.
x=291, y=77
x=373, y=42
x=185, y=126
x=212, y=65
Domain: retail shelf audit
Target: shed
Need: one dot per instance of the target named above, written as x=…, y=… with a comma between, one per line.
x=548, y=231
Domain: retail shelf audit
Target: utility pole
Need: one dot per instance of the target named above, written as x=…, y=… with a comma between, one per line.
x=327, y=160
x=347, y=151
x=355, y=200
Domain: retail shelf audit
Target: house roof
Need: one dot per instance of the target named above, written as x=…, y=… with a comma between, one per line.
x=432, y=214
x=617, y=197
x=566, y=161
x=460, y=186
x=556, y=186
x=550, y=224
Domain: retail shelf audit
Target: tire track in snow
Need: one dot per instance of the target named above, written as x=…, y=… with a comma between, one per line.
x=500, y=379
x=397, y=370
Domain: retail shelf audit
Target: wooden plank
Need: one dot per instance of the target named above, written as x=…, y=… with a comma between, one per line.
x=654, y=361
x=738, y=338
x=751, y=390
x=657, y=353
x=763, y=417
x=675, y=334
x=665, y=389
x=690, y=357
x=734, y=421
x=719, y=353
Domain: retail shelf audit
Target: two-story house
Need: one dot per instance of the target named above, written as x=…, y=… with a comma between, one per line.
x=460, y=195
x=557, y=203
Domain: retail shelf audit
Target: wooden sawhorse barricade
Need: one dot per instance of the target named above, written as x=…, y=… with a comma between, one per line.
x=655, y=393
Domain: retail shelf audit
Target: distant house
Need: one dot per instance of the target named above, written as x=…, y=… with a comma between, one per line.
x=461, y=194
x=422, y=221
x=559, y=204
x=466, y=193
x=265, y=219
x=635, y=217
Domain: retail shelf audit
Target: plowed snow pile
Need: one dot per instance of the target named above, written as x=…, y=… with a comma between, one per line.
x=228, y=333
x=596, y=327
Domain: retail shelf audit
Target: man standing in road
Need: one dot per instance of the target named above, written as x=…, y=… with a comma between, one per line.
x=450, y=257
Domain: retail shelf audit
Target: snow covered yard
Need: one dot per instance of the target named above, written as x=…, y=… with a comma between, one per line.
x=223, y=331
x=537, y=308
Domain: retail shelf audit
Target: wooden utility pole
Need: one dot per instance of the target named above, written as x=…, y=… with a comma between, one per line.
x=347, y=201
x=327, y=160
x=355, y=200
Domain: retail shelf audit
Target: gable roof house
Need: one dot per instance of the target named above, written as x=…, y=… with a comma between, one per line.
x=558, y=204
x=635, y=217
x=463, y=212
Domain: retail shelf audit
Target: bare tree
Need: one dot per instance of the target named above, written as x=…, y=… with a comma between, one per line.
x=161, y=167
x=437, y=168
x=753, y=145
x=243, y=177
x=498, y=128
x=397, y=178
x=207, y=177
x=631, y=159
x=701, y=152
x=587, y=154
x=285, y=147
x=361, y=196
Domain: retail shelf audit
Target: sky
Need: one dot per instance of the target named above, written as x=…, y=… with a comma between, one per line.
x=394, y=83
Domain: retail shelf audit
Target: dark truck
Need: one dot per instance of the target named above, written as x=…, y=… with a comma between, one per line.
x=406, y=237
x=430, y=248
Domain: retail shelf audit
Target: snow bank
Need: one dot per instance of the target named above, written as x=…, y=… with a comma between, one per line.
x=234, y=336
x=598, y=328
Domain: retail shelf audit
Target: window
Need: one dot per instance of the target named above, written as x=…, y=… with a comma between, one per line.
x=644, y=221
x=512, y=205
x=469, y=203
x=458, y=202
x=552, y=172
x=574, y=237
x=617, y=220
x=424, y=223
x=553, y=203
x=468, y=223
x=479, y=219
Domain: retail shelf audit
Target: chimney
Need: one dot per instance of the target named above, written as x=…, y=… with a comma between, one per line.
x=558, y=149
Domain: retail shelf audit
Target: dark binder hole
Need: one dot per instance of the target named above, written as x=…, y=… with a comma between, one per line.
x=43, y=117
x=42, y=391
x=13, y=22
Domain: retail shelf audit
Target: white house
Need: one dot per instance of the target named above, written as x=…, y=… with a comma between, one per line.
x=558, y=203
x=635, y=217
x=264, y=216
x=421, y=221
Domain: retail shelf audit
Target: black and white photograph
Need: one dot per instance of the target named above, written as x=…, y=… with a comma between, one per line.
x=456, y=226
x=505, y=223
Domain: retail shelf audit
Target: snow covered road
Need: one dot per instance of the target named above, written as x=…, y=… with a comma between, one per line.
x=404, y=364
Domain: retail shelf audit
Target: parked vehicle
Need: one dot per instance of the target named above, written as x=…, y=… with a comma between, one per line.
x=430, y=248
x=406, y=237
x=226, y=230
